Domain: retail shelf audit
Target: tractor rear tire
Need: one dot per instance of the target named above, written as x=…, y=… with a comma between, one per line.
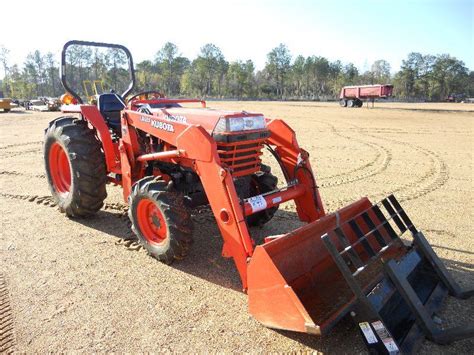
x=75, y=167
x=262, y=182
x=160, y=219
x=350, y=103
x=343, y=103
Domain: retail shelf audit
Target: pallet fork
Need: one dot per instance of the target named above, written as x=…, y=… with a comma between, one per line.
x=418, y=300
x=359, y=265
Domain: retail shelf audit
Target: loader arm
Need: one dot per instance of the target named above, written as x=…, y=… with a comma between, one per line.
x=296, y=165
x=222, y=196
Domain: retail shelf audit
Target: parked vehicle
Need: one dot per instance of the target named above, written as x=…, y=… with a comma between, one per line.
x=37, y=105
x=5, y=104
x=456, y=98
x=353, y=96
x=53, y=104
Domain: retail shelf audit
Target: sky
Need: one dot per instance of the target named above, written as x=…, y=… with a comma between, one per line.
x=352, y=31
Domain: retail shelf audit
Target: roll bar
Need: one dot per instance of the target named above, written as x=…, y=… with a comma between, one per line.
x=95, y=44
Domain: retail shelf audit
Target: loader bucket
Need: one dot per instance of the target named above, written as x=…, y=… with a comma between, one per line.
x=293, y=283
x=356, y=261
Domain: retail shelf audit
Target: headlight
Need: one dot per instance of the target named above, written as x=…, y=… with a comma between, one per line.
x=236, y=124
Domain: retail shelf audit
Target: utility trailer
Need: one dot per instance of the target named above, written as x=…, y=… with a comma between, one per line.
x=353, y=96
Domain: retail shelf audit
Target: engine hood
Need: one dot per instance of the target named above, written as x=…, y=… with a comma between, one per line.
x=206, y=117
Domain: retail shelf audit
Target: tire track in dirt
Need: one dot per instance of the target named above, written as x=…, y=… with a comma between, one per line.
x=433, y=179
x=441, y=232
x=19, y=145
x=17, y=173
x=130, y=242
x=419, y=131
x=40, y=200
x=116, y=206
x=436, y=176
x=49, y=201
x=201, y=216
x=338, y=134
x=383, y=156
x=438, y=172
x=6, y=155
x=7, y=335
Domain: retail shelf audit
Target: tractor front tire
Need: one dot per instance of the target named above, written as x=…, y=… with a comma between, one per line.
x=262, y=182
x=160, y=219
x=75, y=167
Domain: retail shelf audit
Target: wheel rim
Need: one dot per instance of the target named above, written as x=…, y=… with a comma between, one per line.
x=60, y=169
x=151, y=222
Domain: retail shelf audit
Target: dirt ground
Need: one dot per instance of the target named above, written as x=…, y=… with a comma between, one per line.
x=71, y=288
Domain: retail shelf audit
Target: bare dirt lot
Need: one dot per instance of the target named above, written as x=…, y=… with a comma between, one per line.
x=71, y=288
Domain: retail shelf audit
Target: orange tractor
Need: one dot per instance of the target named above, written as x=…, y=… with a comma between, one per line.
x=169, y=159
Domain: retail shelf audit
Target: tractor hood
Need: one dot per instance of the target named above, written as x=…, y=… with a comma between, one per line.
x=205, y=117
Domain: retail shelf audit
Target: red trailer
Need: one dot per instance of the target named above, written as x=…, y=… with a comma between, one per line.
x=352, y=96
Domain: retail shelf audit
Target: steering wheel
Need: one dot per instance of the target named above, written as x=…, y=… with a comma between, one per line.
x=146, y=95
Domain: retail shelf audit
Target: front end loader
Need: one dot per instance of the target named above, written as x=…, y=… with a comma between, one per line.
x=366, y=260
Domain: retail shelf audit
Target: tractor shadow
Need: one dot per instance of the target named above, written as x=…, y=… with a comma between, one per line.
x=205, y=255
x=109, y=223
x=205, y=261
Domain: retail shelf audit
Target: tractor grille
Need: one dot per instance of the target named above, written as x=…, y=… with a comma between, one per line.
x=243, y=158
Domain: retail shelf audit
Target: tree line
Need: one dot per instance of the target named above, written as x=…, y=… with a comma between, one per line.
x=421, y=77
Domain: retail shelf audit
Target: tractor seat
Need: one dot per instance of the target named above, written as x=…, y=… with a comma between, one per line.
x=110, y=106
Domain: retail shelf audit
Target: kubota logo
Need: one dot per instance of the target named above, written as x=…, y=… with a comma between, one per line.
x=168, y=127
x=162, y=125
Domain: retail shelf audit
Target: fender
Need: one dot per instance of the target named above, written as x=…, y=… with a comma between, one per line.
x=112, y=157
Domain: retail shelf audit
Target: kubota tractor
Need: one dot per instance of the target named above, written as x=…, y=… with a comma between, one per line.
x=169, y=158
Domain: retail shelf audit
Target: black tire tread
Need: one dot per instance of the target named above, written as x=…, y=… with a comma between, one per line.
x=177, y=216
x=89, y=173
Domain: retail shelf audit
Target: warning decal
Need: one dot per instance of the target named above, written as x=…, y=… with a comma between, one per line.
x=386, y=337
x=368, y=333
x=258, y=203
